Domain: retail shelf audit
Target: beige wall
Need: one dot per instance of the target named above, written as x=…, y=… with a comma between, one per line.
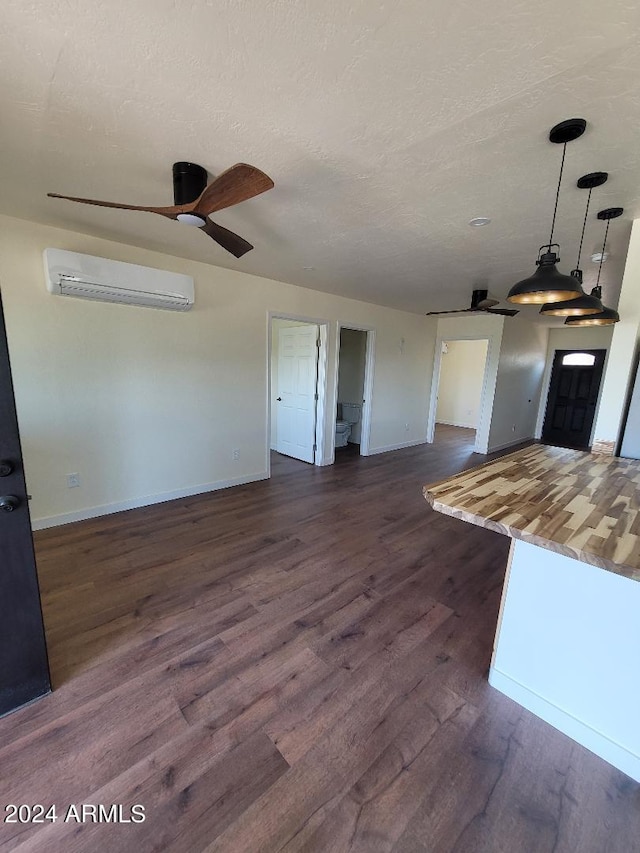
x=618, y=376
x=461, y=381
x=519, y=382
x=147, y=404
x=353, y=350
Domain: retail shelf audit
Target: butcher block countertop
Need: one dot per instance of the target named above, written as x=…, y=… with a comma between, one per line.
x=582, y=505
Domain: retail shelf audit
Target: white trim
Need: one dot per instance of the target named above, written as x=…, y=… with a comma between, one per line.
x=454, y=423
x=369, y=369
x=374, y=450
x=509, y=444
x=145, y=500
x=433, y=397
x=583, y=734
x=321, y=403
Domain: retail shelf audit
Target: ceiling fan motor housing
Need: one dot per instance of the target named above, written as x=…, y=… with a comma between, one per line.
x=477, y=297
x=189, y=181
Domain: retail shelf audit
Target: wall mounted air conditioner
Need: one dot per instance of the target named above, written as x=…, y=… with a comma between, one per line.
x=88, y=277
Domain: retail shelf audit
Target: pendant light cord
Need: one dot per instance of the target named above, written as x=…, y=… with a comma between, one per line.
x=602, y=253
x=584, y=225
x=555, y=209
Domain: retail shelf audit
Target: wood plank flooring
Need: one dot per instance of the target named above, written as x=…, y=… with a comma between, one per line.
x=295, y=665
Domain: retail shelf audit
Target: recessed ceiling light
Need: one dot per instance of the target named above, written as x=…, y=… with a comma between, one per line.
x=478, y=221
x=598, y=255
x=308, y=268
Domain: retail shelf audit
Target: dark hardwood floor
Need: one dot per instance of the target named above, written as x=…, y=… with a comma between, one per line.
x=295, y=665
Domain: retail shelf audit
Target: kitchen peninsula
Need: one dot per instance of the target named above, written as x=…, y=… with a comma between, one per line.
x=568, y=637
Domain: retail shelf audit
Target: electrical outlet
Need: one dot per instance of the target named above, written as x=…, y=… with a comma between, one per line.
x=235, y=454
x=73, y=481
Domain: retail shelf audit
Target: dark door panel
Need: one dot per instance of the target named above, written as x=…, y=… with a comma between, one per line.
x=24, y=670
x=571, y=403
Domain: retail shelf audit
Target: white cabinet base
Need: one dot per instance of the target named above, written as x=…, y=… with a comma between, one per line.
x=567, y=650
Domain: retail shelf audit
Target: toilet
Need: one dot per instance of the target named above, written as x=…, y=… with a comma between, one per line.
x=350, y=416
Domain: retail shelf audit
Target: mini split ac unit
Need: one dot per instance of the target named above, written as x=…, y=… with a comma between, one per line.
x=88, y=277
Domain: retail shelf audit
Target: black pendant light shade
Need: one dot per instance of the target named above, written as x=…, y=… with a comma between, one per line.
x=608, y=316
x=583, y=304
x=547, y=284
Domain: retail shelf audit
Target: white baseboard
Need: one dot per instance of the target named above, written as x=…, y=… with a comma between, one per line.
x=414, y=443
x=509, y=444
x=583, y=734
x=456, y=424
x=145, y=500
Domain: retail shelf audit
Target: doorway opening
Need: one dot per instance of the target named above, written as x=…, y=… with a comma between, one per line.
x=573, y=396
x=354, y=382
x=297, y=385
x=460, y=389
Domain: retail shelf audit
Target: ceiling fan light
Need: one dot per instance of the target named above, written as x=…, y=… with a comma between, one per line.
x=191, y=219
x=546, y=285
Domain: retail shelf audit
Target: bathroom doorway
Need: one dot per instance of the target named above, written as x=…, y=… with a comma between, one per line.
x=461, y=384
x=354, y=382
x=297, y=382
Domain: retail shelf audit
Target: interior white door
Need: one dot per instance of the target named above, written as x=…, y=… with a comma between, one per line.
x=296, y=397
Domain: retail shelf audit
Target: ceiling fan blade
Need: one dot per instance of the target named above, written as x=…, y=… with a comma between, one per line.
x=237, y=184
x=506, y=312
x=170, y=212
x=227, y=239
x=455, y=311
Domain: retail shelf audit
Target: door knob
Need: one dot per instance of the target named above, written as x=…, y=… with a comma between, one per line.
x=279, y=399
x=6, y=467
x=9, y=502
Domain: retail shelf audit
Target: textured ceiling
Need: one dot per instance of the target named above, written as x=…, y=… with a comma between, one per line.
x=386, y=126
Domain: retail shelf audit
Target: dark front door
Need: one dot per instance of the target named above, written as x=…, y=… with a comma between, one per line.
x=24, y=670
x=573, y=393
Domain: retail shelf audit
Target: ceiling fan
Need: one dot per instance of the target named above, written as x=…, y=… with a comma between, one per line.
x=480, y=303
x=194, y=201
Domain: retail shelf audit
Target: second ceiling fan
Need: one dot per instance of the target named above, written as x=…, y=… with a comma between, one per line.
x=480, y=304
x=194, y=201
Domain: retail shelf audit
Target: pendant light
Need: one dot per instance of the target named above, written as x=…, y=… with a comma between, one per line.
x=547, y=284
x=584, y=304
x=606, y=317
